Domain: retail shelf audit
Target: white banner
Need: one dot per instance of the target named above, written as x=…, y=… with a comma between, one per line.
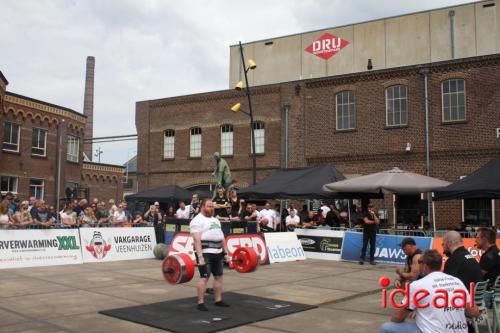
x=321, y=244
x=30, y=248
x=283, y=246
x=110, y=244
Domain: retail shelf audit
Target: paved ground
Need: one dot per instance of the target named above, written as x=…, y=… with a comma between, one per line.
x=68, y=298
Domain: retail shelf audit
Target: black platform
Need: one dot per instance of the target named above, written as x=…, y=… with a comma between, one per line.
x=181, y=315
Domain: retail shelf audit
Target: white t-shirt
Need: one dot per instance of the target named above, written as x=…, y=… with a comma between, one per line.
x=439, y=320
x=210, y=230
x=268, y=214
x=324, y=210
x=292, y=220
x=119, y=217
x=182, y=213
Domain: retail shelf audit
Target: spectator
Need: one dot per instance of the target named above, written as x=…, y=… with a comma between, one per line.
x=14, y=206
x=157, y=205
x=370, y=222
x=100, y=214
x=432, y=318
x=277, y=216
x=266, y=218
x=284, y=214
x=82, y=204
x=332, y=217
x=427, y=228
x=94, y=207
x=94, y=202
x=356, y=217
x=248, y=214
x=32, y=203
x=304, y=213
x=5, y=221
x=42, y=216
x=128, y=214
x=87, y=218
x=138, y=220
x=233, y=202
x=220, y=202
x=310, y=222
x=194, y=206
x=68, y=216
x=292, y=208
x=119, y=216
x=170, y=212
x=411, y=271
x=490, y=260
x=22, y=218
x=153, y=216
x=242, y=207
x=182, y=212
x=325, y=209
x=460, y=263
x=292, y=221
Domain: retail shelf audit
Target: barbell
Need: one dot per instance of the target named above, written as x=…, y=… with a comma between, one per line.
x=179, y=268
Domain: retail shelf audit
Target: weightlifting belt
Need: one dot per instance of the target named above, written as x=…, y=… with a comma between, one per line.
x=211, y=245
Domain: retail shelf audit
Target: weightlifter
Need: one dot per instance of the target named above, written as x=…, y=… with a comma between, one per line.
x=210, y=250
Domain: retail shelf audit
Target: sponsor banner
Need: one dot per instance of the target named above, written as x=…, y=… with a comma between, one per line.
x=110, y=244
x=327, y=46
x=183, y=243
x=30, y=248
x=469, y=244
x=387, y=249
x=321, y=244
x=283, y=246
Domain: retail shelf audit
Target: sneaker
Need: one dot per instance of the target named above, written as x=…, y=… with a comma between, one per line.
x=202, y=307
x=209, y=291
x=372, y=262
x=221, y=303
x=361, y=262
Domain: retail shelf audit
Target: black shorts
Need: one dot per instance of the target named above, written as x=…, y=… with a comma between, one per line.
x=214, y=264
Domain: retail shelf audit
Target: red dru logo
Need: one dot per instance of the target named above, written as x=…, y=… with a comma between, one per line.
x=327, y=46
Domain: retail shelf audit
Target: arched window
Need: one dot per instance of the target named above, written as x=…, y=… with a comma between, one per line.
x=195, y=142
x=226, y=140
x=396, y=105
x=168, y=144
x=453, y=96
x=346, y=110
x=260, y=135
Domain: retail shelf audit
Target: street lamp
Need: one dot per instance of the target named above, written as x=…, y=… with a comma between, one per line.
x=237, y=107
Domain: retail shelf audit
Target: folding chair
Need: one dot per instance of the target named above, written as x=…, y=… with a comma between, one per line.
x=479, y=290
x=496, y=305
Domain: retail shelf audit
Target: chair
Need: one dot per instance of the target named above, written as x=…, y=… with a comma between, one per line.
x=496, y=304
x=480, y=289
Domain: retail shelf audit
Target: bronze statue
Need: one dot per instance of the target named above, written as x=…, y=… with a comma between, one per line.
x=222, y=173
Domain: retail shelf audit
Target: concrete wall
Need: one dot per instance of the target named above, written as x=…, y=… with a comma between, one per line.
x=391, y=42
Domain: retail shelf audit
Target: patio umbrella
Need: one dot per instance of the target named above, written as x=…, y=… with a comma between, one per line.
x=390, y=181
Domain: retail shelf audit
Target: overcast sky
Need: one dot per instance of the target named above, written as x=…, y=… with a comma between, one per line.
x=149, y=49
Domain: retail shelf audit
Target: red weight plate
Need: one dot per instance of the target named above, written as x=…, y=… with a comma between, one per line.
x=189, y=267
x=172, y=269
x=245, y=259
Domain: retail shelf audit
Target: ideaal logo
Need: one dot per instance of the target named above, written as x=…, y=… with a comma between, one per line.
x=98, y=246
x=327, y=46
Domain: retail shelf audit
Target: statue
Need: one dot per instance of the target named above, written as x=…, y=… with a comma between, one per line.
x=222, y=173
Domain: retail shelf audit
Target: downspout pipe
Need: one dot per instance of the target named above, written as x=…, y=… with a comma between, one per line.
x=425, y=73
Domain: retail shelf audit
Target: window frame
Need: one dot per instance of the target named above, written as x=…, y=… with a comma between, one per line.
x=18, y=143
x=226, y=143
x=75, y=158
x=193, y=136
x=456, y=93
x=400, y=109
x=260, y=140
x=169, y=144
x=12, y=189
x=337, y=109
x=38, y=147
x=37, y=186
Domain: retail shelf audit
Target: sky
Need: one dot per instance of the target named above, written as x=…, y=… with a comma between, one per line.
x=147, y=49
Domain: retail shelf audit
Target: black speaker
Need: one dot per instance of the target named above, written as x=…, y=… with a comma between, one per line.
x=423, y=208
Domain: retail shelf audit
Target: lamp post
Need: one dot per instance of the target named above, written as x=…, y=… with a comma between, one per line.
x=237, y=107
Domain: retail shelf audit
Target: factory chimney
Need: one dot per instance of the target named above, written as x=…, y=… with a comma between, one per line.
x=88, y=106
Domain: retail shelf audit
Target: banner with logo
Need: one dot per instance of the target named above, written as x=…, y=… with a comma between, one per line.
x=283, y=246
x=469, y=244
x=321, y=244
x=387, y=248
x=183, y=243
x=110, y=244
x=30, y=248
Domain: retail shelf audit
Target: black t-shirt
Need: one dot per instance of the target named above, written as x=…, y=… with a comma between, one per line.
x=463, y=265
x=235, y=207
x=100, y=214
x=220, y=201
x=490, y=262
x=332, y=219
x=369, y=228
x=244, y=214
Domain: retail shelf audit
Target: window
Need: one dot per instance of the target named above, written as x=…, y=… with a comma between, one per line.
x=259, y=134
x=346, y=112
x=396, y=105
x=8, y=184
x=39, y=142
x=73, y=148
x=195, y=142
x=477, y=212
x=453, y=92
x=37, y=188
x=129, y=184
x=11, y=134
x=226, y=140
x=169, y=144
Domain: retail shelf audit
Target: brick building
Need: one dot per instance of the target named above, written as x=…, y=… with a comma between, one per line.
x=30, y=130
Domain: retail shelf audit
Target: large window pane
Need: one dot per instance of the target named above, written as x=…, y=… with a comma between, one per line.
x=73, y=148
x=346, y=111
x=37, y=187
x=169, y=144
x=259, y=133
x=453, y=100
x=11, y=133
x=396, y=105
x=8, y=184
x=195, y=142
x=39, y=142
x=226, y=140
